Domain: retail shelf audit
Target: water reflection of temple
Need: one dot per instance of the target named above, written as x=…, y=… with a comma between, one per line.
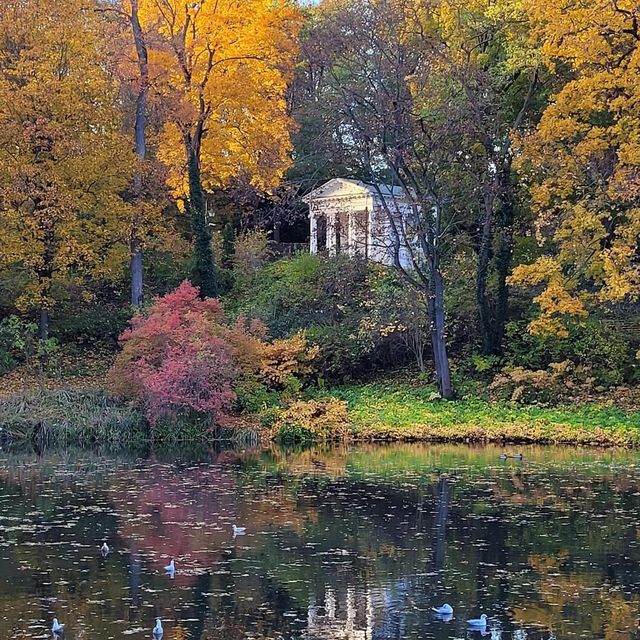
x=351, y=620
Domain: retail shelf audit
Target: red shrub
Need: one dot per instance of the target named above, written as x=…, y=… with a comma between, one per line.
x=178, y=357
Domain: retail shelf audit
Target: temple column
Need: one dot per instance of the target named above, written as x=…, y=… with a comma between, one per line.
x=313, y=236
x=331, y=233
x=351, y=232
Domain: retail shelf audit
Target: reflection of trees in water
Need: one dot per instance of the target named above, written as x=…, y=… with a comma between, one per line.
x=503, y=518
x=550, y=550
x=185, y=514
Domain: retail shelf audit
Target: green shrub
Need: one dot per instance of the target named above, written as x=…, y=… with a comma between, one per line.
x=331, y=298
x=92, y=324
x=482, y=363
x=343, y=353
x=252, y=395
x=7, y=361
x=590, y=344
x=19, y=337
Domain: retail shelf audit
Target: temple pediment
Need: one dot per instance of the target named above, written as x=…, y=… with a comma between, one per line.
x=338, y=188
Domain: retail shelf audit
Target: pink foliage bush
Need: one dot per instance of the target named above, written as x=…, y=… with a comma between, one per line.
x=178, y=356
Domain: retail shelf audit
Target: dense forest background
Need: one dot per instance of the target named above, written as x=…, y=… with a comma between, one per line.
x=148, y=142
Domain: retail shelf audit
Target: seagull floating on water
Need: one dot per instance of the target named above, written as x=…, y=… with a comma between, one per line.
x=104, y=549
x=478, y=623
x=56, y=627
x=158, y=630
x=239, y=531
x=444, y=610
x=171, y=567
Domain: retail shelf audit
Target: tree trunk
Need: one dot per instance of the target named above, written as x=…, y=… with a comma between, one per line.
x=504, y=252
x=482, y=275
x=45, y=276
x=438, y=337
x=135, y=245
x=204, y=275
x=137, y=287
x=43, y=324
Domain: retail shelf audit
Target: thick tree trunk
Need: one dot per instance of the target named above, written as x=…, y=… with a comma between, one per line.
x=438, y=336
x=45, y=276
x=137, y=280
x=204, y=275
x=135, y=244
x=504, y=252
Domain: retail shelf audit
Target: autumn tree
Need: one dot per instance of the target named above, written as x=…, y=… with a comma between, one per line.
x=582, y=161
x=487, y=77
x=474, y=84
x=63, y=161
x=222, y=68
x=373, y=86
x=147, y=192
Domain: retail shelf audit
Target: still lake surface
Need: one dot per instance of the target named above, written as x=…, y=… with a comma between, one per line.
x=341, y=543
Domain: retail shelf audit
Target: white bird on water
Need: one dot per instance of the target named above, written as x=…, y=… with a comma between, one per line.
x=104, y=549
x=56, y=627
x=171, y=567
x=239, y=531
x=444, y=610
x=158, y=630
x=478, y=623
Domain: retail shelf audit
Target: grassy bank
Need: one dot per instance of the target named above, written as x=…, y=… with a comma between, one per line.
x=384, y=411
x=85, y=416
x=69, y=416
x=393, y=411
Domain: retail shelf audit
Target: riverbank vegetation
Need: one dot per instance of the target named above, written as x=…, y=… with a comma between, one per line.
x=154, y=261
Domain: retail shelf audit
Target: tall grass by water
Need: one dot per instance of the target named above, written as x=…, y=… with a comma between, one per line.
x=67, y=416
x=87, y=417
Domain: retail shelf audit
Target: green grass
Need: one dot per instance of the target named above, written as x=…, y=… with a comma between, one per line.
x=400, y=411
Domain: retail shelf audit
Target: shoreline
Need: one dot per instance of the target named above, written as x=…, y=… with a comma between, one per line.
x=375, y=413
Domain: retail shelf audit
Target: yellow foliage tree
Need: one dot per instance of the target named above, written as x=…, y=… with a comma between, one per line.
x=583, y=160
x=286, y=359
x=63, y=162
x=222, y=67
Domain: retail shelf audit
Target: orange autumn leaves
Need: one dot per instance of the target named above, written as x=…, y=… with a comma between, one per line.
x=222, y=68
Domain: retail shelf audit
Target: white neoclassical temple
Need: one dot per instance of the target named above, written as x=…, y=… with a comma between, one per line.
x=350, y=216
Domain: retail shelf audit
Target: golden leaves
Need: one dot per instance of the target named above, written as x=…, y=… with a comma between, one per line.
x=223, y=68
x=282, y=360
x=63, y=160
x=583, y=158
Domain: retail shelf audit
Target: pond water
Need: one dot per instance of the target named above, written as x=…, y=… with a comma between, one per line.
x=344, y=543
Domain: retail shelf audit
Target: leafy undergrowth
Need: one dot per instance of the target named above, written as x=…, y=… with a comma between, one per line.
x=388, y=411
x=84, y=370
